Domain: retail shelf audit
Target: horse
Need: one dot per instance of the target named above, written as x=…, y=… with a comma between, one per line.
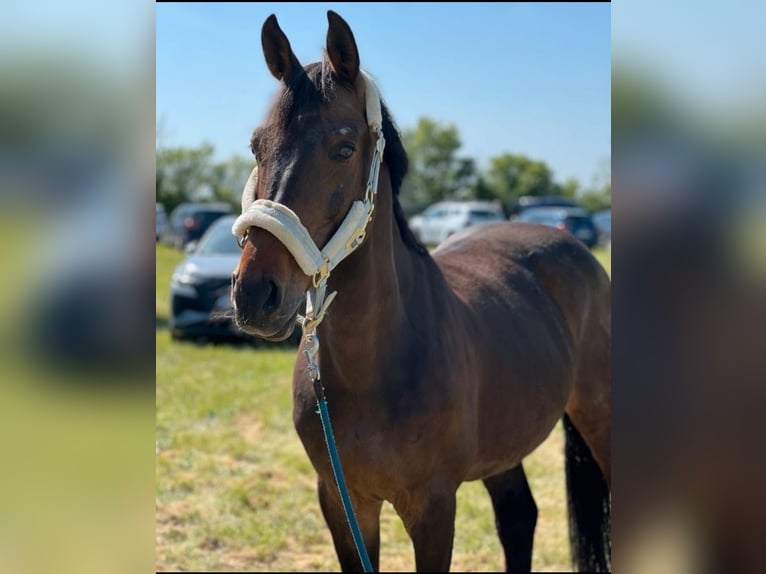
x=439, y=368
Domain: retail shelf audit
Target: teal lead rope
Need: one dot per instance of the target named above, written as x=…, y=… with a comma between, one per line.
x=338, y=472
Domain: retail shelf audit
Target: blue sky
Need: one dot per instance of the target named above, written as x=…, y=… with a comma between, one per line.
x=519, y=78
x=710, y=53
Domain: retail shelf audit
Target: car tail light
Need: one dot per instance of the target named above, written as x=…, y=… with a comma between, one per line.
x=189, y=223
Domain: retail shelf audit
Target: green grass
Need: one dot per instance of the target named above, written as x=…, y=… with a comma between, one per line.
x=235, y=490
x=605, y=258
x=167, y=259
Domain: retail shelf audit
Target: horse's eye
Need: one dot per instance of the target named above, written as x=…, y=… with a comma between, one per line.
x=344, y=152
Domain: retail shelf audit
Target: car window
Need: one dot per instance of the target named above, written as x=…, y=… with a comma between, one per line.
x=178, y=216
x=207, y=217
x=483, y=214
x=218, y=241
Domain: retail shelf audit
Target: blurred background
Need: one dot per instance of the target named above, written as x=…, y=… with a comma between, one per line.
x=77, y=362
x=77, y=400
x=688, y=141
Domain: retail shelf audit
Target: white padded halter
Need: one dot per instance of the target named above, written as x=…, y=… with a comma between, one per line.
x=285, y=225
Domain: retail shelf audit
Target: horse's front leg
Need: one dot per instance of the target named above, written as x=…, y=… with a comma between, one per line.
x=367, y=514
x=429, y=518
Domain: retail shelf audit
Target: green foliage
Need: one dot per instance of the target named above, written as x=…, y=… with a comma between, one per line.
x=569, y=189
x=512, y=176
x=482, y=191
x=182, y=174
x=596, y=201
x=228, y=178
x=436, y=173
x=190, y=174
x=598, y=196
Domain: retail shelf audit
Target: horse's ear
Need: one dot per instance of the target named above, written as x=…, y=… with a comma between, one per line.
x=276, y=48
x=341, y=49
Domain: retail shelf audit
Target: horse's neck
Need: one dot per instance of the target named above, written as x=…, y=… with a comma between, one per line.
x=369, y=316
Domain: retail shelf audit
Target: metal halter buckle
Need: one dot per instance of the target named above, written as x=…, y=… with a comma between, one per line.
x=321, y=274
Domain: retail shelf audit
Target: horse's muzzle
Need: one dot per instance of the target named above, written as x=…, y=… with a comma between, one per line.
x=260, y=309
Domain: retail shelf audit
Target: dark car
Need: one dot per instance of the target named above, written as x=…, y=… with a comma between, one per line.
x=575, y=220
x=189, y=221
x=534, y=201
x=200, y=302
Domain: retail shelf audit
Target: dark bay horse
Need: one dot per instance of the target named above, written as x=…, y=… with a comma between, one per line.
x=439, y=368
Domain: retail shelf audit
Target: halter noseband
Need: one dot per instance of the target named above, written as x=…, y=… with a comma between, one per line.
x=285, y=225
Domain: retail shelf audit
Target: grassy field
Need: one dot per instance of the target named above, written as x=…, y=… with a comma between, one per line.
x=235, y=490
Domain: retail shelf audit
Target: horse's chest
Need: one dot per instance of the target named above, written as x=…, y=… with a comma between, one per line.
x=378, y=452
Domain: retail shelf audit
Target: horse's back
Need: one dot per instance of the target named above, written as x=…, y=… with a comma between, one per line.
x=527, y=293
x=507, y=261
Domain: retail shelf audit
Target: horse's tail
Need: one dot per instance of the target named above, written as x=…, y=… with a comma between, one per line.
x=589, y=505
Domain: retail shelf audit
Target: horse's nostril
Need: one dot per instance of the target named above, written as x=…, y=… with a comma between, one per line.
x=272, y=299
x=259, y=298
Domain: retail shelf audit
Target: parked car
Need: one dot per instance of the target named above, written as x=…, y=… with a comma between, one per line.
x=160, y=221
x=189, y=221
x=575, y=220
x=603, y=222
x=200, y=302
x=533, y=201
x=443, y=219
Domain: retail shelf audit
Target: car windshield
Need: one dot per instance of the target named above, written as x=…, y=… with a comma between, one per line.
x=219, y=240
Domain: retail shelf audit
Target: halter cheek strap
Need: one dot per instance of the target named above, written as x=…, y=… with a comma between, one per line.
x=285, y=225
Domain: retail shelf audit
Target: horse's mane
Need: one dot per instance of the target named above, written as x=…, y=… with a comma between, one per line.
x=315, y=85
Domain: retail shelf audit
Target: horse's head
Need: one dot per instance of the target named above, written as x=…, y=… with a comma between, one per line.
x=313, y=156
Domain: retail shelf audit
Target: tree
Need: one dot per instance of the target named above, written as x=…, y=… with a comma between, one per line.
x=482, y=191
x=511, y=176
x=183, y=174
x=228, y=179
x=598, y=196
x=595, y=201
x=569, y=189
x=435, y=173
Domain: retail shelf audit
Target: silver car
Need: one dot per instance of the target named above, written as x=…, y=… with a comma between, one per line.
x=443, y=219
